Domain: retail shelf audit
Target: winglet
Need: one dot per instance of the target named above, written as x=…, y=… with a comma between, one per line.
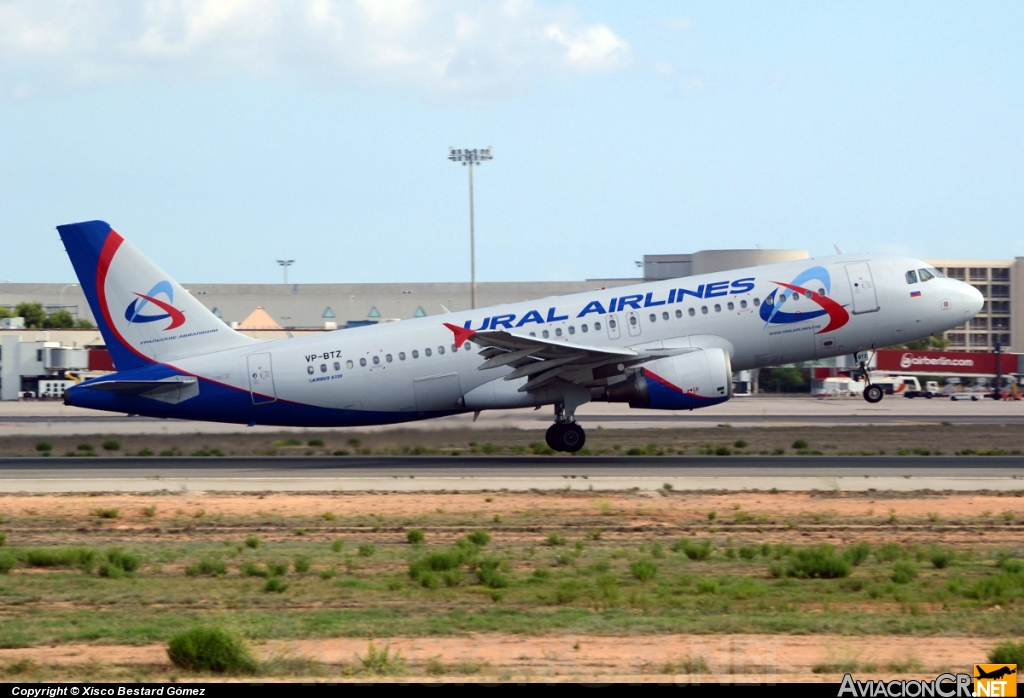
x=461, y=334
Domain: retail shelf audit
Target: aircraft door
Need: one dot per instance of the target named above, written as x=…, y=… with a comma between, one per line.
x=614, y=332
x=862, y=286
x=633, y=323
x=261, y=379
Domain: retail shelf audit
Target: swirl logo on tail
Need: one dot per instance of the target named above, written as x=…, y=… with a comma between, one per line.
x=133, y=313
x=772, y=309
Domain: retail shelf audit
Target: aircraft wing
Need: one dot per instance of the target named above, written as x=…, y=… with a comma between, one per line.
x=542, y=361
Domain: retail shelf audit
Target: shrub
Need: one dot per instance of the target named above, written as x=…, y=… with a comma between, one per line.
x=111, y=445
x=712, y=515
x=748, y=552
x=800, y=444
x=44, y=447
x=275, y=585
x=857, y=555
x=60, y=557
x=329, y=516
x=489, y=573
x=315, y=442
x=144, y=452
x=693, y=549
x=556, y=539
x=567, y=591
x=7, y=562
x=3, y=539
x=381, y=661
x=415, y=536
x=277, y=569
x=940, y=558
x=367, y=550
x=904, y=572
x=817, y=562
x=110, y=571
x=86, y=447
x=707, y=586
x=643, y=570
x=657, y=550
x=740, y=444
x=106, y=513
x=149, y=512
x=207, y=568
x=1008, y=653
x=211, y=649
x=251, y=569
x=889, y=552
x=338, y=545
x=123, y=560
x=424, y=569
x=1011, y=565
x=301, y=564
x=479, y=538
x=252, y=542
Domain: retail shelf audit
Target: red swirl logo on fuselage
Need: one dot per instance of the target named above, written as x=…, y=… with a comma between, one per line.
x=771, y=309
x=133, y=313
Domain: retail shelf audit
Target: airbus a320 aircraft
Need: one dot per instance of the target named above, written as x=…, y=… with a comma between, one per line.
x=665, y=345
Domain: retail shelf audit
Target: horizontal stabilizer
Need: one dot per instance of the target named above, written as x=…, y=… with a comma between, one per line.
x=172, y=390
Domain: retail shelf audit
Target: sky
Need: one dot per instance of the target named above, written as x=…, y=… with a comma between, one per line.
x=221, y=135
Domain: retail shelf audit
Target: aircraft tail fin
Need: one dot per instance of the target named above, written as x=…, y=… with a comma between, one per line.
x=144, y=315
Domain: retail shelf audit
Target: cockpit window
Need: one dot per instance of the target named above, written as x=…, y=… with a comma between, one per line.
x=936, y=273
x=925, y=275
x=911, y=277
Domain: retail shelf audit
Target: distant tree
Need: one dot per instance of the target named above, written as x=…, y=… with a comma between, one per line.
x=59, y=319
x=787, y=379
x=84, y=324
x=35, y=316
x=5, y=312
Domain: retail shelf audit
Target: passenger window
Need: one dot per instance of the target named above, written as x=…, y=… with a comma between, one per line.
x=679, y=313
x=632, y=320
x=611, y=323
x=376, y=360
x=426, y=351
x=743, y=304
x=730, y=306
x=718, y=308
x=309, y=370
x=349, y=364
x=454, y=348
x=704, y=310
x=925, y=275
x=401, y=356
x=337, y=366
x=415, y=354
x=544, y=334
x=584, y=327
x=440, y=350
x=821, y=292
x=664, y=315
x=388, y=358
x=323, y=368
x=467, y=346
x=692, y=312
x=572, y=330
x=597, y=326
x=558, y=331
x=362, y=362
x=533, y=334
x=654, y=318
x=757, y=302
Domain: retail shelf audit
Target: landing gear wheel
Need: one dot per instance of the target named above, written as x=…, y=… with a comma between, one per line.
x=567, y=438
x=873, y=394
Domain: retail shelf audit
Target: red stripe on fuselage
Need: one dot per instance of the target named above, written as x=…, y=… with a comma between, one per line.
x=837, y=315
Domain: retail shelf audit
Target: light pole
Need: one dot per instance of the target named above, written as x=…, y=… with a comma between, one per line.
x=285, y=263
x=471, y=157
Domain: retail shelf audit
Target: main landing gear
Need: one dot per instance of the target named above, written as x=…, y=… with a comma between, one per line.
x=872, y=393
x=565, y=434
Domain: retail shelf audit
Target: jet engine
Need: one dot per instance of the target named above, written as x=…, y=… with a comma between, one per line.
x=684, y=382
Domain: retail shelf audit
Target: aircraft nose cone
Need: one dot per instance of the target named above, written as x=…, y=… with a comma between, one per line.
x=973, y=300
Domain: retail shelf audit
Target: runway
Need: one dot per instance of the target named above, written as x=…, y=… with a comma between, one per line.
x=448, y=473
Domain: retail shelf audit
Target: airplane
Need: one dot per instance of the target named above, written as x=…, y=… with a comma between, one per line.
x=663, y=345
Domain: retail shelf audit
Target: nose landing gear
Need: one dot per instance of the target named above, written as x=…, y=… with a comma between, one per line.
x=565, y=434
x=872, y=393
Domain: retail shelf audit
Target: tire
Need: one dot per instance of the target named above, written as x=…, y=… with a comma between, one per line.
x=567, y=438
x=873, y=394
x=553, y=437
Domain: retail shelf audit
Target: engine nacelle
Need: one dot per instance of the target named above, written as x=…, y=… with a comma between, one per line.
x=685, y=382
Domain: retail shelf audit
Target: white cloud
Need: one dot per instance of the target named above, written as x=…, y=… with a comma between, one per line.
x=440, y=48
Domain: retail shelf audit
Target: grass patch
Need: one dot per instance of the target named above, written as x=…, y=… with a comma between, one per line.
x=415, y=536
x=1008, y=652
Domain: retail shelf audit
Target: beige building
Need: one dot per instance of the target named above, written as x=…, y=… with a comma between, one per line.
x=1002, y=317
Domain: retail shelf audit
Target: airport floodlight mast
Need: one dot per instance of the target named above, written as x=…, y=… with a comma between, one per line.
x=471, y=157
x=285, y=263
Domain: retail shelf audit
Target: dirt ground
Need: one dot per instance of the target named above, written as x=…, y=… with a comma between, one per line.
x=887, y=439
x=673, y=658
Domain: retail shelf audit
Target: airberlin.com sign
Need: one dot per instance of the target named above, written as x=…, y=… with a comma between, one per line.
x=943, y=361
